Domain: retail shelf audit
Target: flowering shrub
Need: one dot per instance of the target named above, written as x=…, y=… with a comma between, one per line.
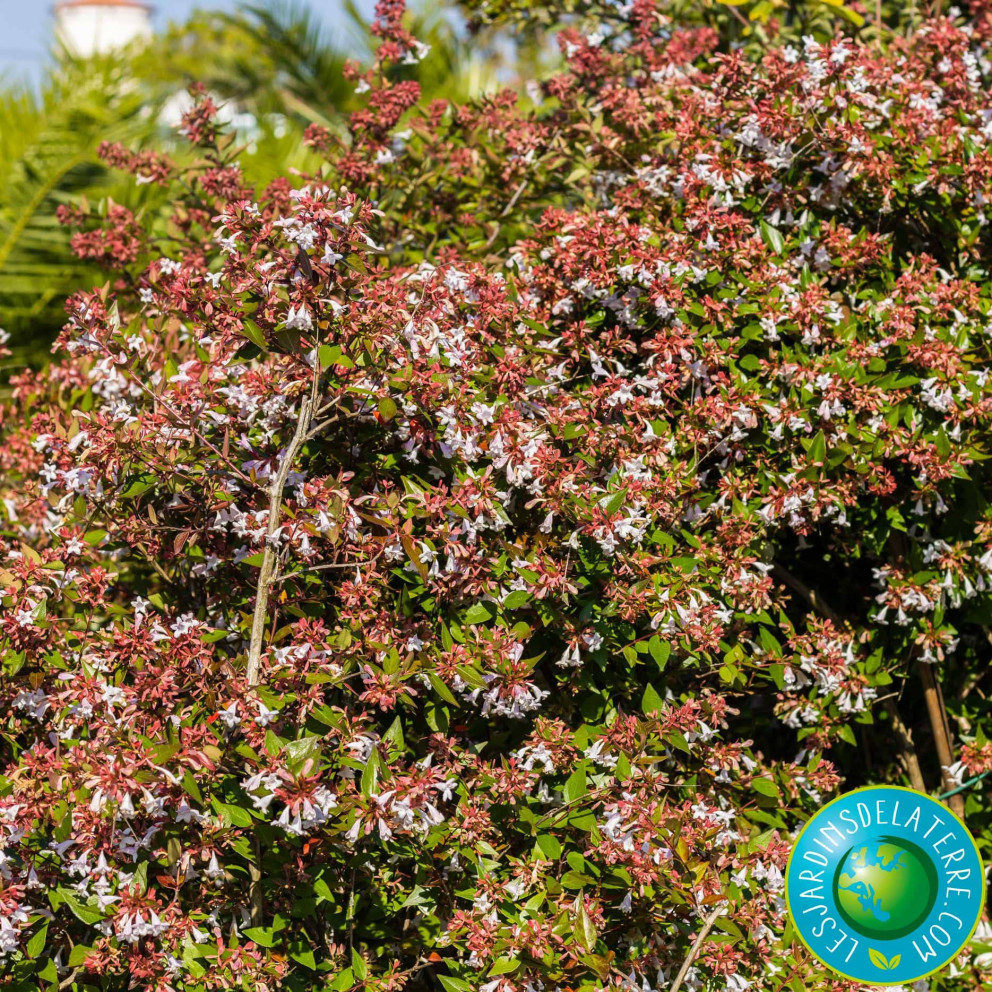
x=467, y=567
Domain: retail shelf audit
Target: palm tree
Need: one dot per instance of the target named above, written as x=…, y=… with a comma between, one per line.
x=48, y=143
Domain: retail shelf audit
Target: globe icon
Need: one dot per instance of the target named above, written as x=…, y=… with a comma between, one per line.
x=885, y=887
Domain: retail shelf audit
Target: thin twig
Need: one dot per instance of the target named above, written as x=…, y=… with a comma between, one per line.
x=740, y=17
x=69, y=979
x=351, y=911
x=696, y=947
x=255, y=888
x=506, y=211
x=265, y=577
x=175, y=415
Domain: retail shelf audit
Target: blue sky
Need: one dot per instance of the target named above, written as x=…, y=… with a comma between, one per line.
x=27, y=27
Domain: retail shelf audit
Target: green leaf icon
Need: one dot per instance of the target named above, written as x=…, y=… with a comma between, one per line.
x=894, y=961
x=878, y=959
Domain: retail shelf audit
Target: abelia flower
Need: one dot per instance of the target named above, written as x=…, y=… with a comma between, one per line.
x=483, y=554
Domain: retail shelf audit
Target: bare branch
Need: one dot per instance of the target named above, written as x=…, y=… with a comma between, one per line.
x=697, y=945
x=907, y=750
x=268, y=554
x=942, y=739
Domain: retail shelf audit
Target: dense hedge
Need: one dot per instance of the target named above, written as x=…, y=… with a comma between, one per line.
x=467, y=567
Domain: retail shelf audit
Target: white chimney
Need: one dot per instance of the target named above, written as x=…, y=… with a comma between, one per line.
x=97, y=27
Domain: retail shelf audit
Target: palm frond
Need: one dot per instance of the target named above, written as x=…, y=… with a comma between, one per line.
x=48, y=160
x=296, y=66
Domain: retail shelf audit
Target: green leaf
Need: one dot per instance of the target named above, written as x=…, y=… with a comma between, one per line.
x=764, y=786
x=575, y=786
x=769, y=643
x=818, y=449
x=418, y=897
x=850, y=15
x=895, y=518
x=37, y=942
x=439, y=686
x=299, y=951
x=343, y=980
x=503, y=966
x=772, y=237
x=576, y=880
x=78, y=955
x=387, y=408
x=847, y=734
x=395, y=733
x=470, y=676
x=479, y=613
x=615, y=502
x=261, y=935
x=516, y=599
x=370, y=775
x=585, y=932
x=306, y=747
x=660, y=650
x=139, y=880
x=943, y=443
x=80, y=910
x=651, y=702
x=329, y=355
x=232, y=815
x=136, y=485
x=190, y=786
x=254, y=334
x=358, y=966
x=452, y=984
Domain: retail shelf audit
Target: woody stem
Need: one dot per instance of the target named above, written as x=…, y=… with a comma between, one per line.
x=907, y=750
x=697, y=944
x=941, y=729
x=268, y=554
